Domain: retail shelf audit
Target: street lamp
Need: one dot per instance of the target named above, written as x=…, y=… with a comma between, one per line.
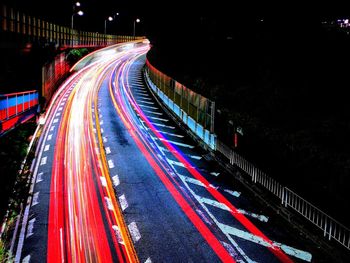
x=109, y=19
x=136, y=21
x=80, y=13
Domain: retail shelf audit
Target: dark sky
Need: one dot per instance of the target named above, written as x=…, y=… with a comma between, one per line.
x=180, y=18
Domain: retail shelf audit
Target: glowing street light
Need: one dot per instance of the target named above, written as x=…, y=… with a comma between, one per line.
x=136, y=21
x=79, y=13
x=109, y=19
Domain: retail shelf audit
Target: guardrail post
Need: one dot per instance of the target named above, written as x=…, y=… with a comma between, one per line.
x=325, y=227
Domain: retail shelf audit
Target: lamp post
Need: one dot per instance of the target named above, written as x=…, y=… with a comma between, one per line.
x=80, y=13
x=109, y=19
x=135, y=21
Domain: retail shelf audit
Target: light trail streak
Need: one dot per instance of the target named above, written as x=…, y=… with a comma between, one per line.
x=123, y=97
x=80, y=226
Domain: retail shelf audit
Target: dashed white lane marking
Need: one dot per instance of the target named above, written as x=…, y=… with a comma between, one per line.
x=148, y=260
x=62, y=103
x=49, y=137
x=55, y=120
x=118, y=234
x=58, y=114
x=171, y=134
x=110, y=164
x=39, y=177
x=233, y=193
x=258, y=240
x=261, y=218
x=215, y=174
x=123, y=203
x=115, y=180
x=177, y=143
x=60, y=108
x=135, y=233
x=158, y=119
x=35, y=199
x=94, y=130
x=47, y=147
x=52, y=128
x=100, y=116
x=103, y=181
x=43, y=160
x=64, y=99
x=147, y=102
x=102, y=130
x=162, y=125
x=153, y=112
x=26, y=259
x=212, y=203
x=30, y=227
x=140, y=91
x=101, y=122
x=104, y=139
x=109, y=203
x=108, y=150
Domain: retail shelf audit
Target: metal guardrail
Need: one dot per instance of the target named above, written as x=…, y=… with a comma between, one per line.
x=16, y=103
x=38, y=30
x=331, y=228
x=196, y=111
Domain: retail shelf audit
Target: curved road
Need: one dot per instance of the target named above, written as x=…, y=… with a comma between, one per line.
x=116, y=181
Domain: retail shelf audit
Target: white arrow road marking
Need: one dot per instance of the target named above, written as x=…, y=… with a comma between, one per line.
x=135, y=233
x=148, y=260
x=215, y=174
x=258, y=240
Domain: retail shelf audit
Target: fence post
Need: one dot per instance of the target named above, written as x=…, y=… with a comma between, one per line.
x=325, y=227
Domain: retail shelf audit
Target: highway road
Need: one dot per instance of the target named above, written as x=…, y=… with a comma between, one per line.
x=115, y=180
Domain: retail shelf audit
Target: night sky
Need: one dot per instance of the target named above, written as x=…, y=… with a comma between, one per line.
x=180, y=18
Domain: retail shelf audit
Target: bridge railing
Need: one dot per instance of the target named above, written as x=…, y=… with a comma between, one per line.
x=196, y=111
x=16, y=103
x=331, y=228
x=36, y=29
